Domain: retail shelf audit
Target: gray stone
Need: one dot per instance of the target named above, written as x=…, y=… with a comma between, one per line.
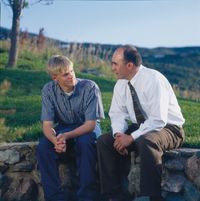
x=24, y=150
x=3, y=167
x=4, y=146
x=22, y=185
x=40, y=193
x=31, y=156
x=174, y=197
x=188, y=152
x=174, y=164
x=190, y=192
x=9, y=156
x=1, y=179
x=134, y=176
x=6, y=181
x=36, y=176
x=69, y=179
x=198, y=154
x=172, y=154
x=192, y=169
x=65, y=175
x=21, y=189
x=15, y=145
x=25, y=166
x=174, y=183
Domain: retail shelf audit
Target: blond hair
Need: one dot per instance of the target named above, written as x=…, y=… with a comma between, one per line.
x=58, y=64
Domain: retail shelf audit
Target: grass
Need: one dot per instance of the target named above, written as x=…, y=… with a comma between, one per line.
x=191, y=111
x=20, y=105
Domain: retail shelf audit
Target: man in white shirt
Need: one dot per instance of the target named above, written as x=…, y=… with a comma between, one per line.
x=145, y=98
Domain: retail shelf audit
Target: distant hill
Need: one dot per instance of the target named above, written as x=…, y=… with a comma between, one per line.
x=180, y=65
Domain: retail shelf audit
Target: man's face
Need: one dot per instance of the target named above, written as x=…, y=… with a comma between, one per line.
x=119, y=66
x=66, y=79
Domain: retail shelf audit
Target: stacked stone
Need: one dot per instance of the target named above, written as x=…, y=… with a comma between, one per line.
x=181, y=175
x=181, y=178
x=20, y=179
x=18, y=175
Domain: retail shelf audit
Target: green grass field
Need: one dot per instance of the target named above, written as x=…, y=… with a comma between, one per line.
x=20, y=105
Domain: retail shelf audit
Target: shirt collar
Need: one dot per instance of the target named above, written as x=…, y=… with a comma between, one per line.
x=75, y=91
x=135, y=77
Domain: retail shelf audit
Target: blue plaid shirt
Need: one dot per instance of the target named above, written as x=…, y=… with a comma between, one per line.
x=83, y=104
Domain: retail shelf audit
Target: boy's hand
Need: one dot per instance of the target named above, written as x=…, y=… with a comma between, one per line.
x=60, y=145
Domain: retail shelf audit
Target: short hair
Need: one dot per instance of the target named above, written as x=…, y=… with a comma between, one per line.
x=131, y=54
x=58, y=64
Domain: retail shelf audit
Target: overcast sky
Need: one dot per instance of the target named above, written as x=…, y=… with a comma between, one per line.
x=150, y=23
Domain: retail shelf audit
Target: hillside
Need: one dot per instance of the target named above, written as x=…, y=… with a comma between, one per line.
x=20, y=105
x=180, y=65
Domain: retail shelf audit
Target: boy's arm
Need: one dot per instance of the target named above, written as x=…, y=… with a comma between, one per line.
x=48, y=131
x=87, y=127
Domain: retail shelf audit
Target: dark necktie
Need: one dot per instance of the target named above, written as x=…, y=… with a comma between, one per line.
x=139, y=113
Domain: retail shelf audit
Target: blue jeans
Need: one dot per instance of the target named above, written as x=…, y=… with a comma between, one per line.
x=86, y=158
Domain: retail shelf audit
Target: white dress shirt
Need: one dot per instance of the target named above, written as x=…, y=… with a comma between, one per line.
x=157, y=100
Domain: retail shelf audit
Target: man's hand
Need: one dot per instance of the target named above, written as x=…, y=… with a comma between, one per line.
x=123, y=152
x=121, y=142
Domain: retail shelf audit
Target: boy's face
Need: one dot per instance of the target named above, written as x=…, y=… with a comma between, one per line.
x=66, y=79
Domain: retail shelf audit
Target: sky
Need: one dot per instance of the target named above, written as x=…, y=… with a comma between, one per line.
x=144, y=23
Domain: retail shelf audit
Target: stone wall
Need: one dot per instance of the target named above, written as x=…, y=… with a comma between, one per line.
x=181, y=175
x=20, y=179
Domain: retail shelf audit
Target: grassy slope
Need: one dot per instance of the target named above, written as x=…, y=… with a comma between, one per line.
x=20, y=106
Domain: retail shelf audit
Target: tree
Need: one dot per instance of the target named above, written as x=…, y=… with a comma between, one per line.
x=17, y=6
